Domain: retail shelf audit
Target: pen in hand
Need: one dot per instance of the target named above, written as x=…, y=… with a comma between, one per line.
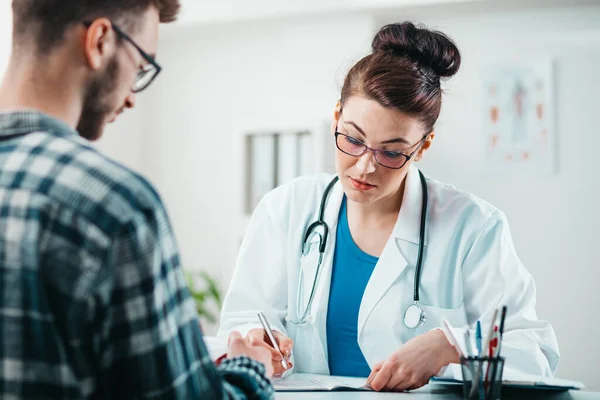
x=271, y=337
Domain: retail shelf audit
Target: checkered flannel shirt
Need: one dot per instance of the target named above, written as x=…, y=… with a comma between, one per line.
x=93, y=300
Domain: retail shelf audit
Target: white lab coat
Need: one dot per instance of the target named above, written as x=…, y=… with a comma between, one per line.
x=470, y=268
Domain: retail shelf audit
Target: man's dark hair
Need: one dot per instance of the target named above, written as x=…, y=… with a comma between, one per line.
x=44, y=22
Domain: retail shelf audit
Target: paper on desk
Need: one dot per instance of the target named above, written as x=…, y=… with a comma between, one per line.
x=303, y=382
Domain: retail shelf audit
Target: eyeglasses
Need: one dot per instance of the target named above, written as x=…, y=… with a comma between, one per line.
x=148, y=72
x=389, y=159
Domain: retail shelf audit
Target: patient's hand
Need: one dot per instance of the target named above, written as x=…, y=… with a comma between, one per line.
x=238, y=346
x=258, y=337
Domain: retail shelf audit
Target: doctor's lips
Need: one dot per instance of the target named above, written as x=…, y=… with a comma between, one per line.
x=360, y=185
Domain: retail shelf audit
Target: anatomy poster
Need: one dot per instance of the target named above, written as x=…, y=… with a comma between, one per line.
x=518, y=117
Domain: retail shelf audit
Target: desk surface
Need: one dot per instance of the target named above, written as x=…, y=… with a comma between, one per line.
x=437, y=392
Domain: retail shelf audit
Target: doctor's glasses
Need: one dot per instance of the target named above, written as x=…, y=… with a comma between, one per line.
x=387, y=158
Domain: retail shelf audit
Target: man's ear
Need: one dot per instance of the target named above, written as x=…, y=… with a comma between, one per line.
x=99, y=43
x=425, y=146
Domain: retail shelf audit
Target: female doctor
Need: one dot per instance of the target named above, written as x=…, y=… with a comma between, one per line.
x=358, y=271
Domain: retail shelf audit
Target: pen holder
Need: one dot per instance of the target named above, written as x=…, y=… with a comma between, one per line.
x=482, y=377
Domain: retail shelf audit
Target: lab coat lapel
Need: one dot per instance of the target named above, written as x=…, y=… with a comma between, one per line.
x=409, y=220
x=392, y=263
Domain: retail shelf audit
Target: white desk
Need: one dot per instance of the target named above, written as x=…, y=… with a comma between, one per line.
x=436, y=392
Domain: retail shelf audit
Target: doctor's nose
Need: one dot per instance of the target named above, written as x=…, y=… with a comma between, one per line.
x=366, y=162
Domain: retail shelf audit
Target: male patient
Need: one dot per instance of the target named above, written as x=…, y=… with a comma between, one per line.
x=93, y=301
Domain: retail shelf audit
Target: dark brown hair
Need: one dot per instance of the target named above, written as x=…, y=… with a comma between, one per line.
x=403, y=71
x=44, y=22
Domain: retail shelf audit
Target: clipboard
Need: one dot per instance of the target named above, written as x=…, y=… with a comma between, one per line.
x=525, y=382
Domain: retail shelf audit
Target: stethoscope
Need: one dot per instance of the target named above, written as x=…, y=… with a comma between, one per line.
x=414, y=316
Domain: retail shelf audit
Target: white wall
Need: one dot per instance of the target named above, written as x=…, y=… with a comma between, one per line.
x=222, y=80
x=233, y=11
x=219, y=82
x=554, y=219
x=123, y=140
x=5, y=34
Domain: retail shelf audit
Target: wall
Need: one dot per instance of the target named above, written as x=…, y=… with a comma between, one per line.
x=123, y=140
x=554, y=218
x=222, y=80
x=217, y=84
x=5, y=34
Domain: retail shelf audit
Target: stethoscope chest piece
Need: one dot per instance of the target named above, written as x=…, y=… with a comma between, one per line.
x=414, y=316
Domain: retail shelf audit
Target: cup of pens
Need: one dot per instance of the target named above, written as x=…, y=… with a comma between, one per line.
x=482, y=377
x=481, y=368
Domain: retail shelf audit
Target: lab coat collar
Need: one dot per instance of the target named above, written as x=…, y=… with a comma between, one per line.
x=408, y=225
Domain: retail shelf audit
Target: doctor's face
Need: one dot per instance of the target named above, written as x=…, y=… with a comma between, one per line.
x=391, y=133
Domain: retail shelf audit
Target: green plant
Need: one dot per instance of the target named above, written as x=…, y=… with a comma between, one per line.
x=205, y=294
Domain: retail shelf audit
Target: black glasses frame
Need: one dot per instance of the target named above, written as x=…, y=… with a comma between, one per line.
x=144, y=55
x=378, y=151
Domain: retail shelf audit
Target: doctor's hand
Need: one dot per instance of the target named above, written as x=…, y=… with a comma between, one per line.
x=238, y=346
x=413, y=364
x=258, y=337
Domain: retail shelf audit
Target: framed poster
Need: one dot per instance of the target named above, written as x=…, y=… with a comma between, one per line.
x=518, y=107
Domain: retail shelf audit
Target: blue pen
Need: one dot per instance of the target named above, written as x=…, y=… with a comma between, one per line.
x=479, y=351
x=478, y=338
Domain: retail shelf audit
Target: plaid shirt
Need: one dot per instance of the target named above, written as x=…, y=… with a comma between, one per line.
x=93, y=300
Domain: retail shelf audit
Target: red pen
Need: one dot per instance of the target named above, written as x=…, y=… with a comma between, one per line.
x=491, y=351
x=493, y=342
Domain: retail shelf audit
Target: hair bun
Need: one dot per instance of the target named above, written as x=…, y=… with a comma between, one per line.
x=429, y=49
